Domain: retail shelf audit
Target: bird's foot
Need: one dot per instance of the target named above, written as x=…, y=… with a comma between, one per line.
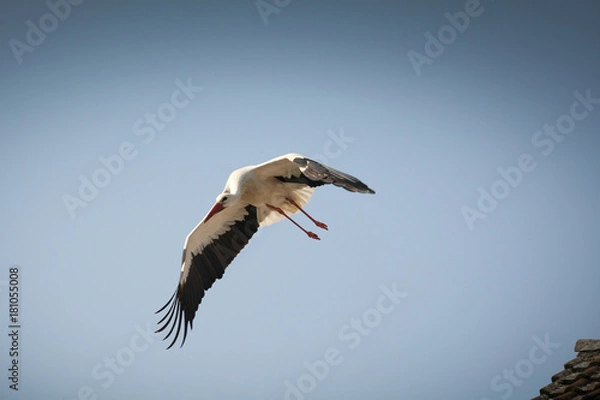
x=312, y=235
x=321, y=225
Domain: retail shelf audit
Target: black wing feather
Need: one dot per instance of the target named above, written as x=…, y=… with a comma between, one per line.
x=205, y=268
x=316, y=174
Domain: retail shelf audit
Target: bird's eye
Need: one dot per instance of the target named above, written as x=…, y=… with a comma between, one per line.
x=224, y=199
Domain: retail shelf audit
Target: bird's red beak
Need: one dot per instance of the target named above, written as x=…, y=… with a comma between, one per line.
x=216, y=208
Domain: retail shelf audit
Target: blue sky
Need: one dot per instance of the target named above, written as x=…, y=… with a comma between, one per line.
x=483, y=155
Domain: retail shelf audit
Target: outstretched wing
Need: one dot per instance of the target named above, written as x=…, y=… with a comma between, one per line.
x=208, y=250
x=295, y=168
x=319, y=174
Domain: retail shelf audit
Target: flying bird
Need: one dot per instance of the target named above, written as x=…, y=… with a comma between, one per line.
x=254, y=196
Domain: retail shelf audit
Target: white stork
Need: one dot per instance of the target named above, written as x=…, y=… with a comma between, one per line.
x=254, y=196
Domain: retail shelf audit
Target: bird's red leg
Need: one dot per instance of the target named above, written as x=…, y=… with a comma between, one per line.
x=317, y=223
x=310, y=234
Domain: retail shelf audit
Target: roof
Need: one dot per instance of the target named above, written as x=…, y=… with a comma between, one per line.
x=580, y=380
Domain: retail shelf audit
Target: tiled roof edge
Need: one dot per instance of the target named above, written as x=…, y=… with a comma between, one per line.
x=587, y=345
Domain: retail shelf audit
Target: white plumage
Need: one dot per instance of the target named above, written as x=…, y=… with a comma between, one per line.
x=253, y=196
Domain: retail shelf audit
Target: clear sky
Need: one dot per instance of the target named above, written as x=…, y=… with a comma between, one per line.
x=476, y=124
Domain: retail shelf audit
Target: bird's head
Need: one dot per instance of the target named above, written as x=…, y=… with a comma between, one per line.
x=223, y=201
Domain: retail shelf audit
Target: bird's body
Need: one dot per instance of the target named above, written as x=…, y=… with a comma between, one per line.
x=258, y=185
x=253, y=196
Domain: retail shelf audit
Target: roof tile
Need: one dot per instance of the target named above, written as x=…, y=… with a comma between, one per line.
x=587, y=345
x=580, y=380
x=595, y=395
